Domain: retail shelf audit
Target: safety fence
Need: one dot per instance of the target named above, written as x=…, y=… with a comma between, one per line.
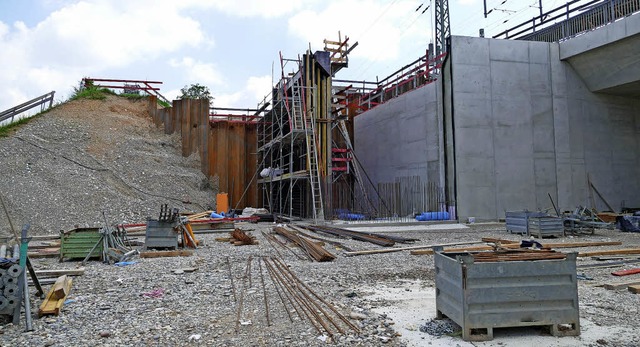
x=365, y=95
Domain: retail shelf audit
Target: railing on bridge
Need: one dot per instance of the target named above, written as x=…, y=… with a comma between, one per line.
x=41, y=101
x=579, y=17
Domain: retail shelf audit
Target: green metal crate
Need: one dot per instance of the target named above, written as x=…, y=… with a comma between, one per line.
x=77, y=243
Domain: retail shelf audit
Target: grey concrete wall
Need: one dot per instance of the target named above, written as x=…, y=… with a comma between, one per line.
x=526, y=126
x=402, y=137
x=520, y=123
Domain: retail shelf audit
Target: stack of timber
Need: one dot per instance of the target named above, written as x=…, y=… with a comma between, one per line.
x=313, y=249
x=240, y=238
x=377, y=239
x=516, y=245
x=516, y=255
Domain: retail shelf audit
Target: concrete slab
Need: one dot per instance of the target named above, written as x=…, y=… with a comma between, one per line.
x=411, y=303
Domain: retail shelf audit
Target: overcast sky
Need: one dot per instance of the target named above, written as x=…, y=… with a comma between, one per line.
x=231, y=46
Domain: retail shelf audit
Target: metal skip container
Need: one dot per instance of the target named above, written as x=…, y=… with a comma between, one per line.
x=481, y=296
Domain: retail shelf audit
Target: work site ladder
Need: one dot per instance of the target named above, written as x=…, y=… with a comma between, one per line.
x=304, y=118
x=342, y=127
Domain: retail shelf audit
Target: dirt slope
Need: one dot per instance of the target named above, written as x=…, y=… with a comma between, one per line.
x=87, y=156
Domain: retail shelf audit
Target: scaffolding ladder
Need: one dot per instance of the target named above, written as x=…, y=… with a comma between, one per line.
x=304, y=119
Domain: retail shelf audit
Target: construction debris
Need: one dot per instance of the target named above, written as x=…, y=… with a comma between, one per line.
x=314, y=250
x=635, y=289
x=56, y=297
x=240, y=238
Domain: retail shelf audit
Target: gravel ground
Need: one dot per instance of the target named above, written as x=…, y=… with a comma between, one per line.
x=88, y=165
x=199, y=308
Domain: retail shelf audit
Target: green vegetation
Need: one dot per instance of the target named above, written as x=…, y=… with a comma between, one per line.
x=196, y=91
x=133, y=96
x=163, y=103
x=5, y=130
x=91, y=92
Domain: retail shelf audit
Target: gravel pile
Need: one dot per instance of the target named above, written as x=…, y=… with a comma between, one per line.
x=83, y=157
x=439, y=327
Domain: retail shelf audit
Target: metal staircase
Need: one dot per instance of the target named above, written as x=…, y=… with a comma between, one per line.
x=304, y=118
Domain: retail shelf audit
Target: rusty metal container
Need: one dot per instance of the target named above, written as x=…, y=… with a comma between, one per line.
x=481, y=296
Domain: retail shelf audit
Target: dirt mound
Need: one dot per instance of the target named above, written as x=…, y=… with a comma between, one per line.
x=66, y=167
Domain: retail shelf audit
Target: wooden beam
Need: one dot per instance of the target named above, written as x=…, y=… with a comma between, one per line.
x=399, y=249
x=635, y=289
x=620, y=285
x=159, y=254
x=626, y=272
x=610, y=252
x=56, y=273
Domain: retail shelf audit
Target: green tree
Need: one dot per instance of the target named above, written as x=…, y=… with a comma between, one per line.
x=196, y=91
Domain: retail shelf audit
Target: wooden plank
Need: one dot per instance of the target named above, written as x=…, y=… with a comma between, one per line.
x=635, y=289
x=503, y=241
x=620, y=285
x=610, y=252
x=517, y=245
x=626, y=272
x=35, y=255
x=56, y=273
x=399, y=249
x=159, y=254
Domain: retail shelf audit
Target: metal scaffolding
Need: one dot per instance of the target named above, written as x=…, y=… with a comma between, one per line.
x=304, y=144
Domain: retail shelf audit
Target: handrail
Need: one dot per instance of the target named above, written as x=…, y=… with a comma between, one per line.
x=16, y=110
x=593, y=14
x=420, y=68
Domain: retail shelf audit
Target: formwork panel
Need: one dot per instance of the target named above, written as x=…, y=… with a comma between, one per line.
x=507, y=294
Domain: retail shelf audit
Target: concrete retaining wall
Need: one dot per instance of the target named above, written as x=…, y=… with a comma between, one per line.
x=524, y=125
x=527, y=126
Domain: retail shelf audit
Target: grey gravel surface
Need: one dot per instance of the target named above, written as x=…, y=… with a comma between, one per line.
x=198, y=307
x=87, y=166
x=67, y=166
